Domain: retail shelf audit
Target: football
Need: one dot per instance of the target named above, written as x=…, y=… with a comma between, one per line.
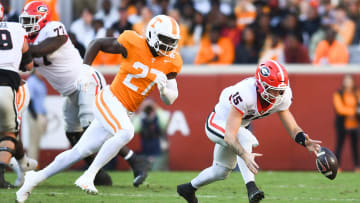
x=327, y=163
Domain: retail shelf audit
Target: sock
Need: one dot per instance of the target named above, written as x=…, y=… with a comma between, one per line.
x=129, y=155
x=108, y=151
x=250, y=186
x=14, y=165
x=2, y=171
x=209, y=175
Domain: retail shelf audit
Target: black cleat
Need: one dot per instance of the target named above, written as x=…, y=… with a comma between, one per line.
x=140, y=166
x=255, y=196
x=6, y=185
x=103, y=178
x=187, y=192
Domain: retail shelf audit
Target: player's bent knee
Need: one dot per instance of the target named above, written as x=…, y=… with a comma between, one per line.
x=220, y=172
x=126, y=134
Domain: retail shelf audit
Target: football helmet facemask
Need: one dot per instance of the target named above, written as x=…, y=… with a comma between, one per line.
x=271, y=81
x=34, y=17
x=163, y=34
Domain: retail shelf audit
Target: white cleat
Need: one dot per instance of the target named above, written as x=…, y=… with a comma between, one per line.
x=32, y=179
x=27, y=164
x=86, y=184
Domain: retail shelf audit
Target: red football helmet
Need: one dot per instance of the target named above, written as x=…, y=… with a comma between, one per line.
x=272, y=81
x=34, y=16
x=1, y=12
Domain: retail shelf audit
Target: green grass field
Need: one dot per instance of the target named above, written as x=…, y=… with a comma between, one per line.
x=160, y=187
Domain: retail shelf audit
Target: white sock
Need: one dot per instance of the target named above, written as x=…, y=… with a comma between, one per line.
x=245, y=171
x=108, y=151
x=129, y=155
x=14, y=165
x=209, y=175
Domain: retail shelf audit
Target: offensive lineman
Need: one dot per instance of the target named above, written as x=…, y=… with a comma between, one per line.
x=60, y=63
x=15, y=56
x=145, y=62
x=255, y=97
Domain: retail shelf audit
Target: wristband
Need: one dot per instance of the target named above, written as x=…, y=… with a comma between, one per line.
x=300, y=138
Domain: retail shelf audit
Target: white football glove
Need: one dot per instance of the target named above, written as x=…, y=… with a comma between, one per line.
x=161, y=81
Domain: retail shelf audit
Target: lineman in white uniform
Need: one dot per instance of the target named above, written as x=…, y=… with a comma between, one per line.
x=256, y=97
x=61, y=64
x=15, y=56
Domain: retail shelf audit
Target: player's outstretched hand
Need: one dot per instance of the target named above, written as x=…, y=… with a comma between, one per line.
x=249, y=159
x=312, y=145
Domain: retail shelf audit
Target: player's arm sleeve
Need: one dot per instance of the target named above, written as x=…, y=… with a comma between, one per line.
x=170, y=92
x=108, y=45
x=56, y=36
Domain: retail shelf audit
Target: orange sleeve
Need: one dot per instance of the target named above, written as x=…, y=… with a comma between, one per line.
x=340, y=108
x=205, y=53
x=227, y=55
x=124, y=38
x=320, y=52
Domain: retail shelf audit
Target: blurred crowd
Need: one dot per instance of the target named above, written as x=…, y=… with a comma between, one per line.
x=234, y=31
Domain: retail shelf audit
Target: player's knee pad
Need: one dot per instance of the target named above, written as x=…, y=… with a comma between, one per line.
x=220, y=172
x=7, y=147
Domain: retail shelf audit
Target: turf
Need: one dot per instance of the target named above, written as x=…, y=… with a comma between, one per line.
x=160, y=187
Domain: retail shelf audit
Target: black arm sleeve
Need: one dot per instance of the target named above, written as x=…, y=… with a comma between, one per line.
x=26, y=59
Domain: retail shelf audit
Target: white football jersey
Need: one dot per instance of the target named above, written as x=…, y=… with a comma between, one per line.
x=12, y=37
x=243, y=96
x=64, y=66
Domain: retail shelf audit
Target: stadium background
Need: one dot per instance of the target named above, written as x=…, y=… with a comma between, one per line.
x=199, y=88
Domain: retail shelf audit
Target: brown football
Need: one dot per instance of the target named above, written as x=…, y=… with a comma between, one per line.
x=327, y=163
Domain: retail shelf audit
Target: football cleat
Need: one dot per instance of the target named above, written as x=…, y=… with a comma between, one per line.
x=255, y=196
x=28, y=164
x=86, y=184
x=187, y=192
x=327, y=163
x=32, y=179
x=140, y=166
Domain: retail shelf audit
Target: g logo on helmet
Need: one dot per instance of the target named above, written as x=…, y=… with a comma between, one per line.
x=264, y=71
x=42, y=9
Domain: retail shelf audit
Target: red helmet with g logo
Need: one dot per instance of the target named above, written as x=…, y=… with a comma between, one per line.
x=1, y=12
x=272, y=81
x=34, y=16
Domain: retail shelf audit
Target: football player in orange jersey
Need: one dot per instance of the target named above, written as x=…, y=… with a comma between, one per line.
x=146, y=62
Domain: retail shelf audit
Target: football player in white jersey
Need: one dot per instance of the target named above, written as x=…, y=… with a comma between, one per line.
x=15, y=56
x=253, y=98
x=60, y=63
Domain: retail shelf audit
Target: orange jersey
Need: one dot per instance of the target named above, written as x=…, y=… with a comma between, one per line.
x=135, y=79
